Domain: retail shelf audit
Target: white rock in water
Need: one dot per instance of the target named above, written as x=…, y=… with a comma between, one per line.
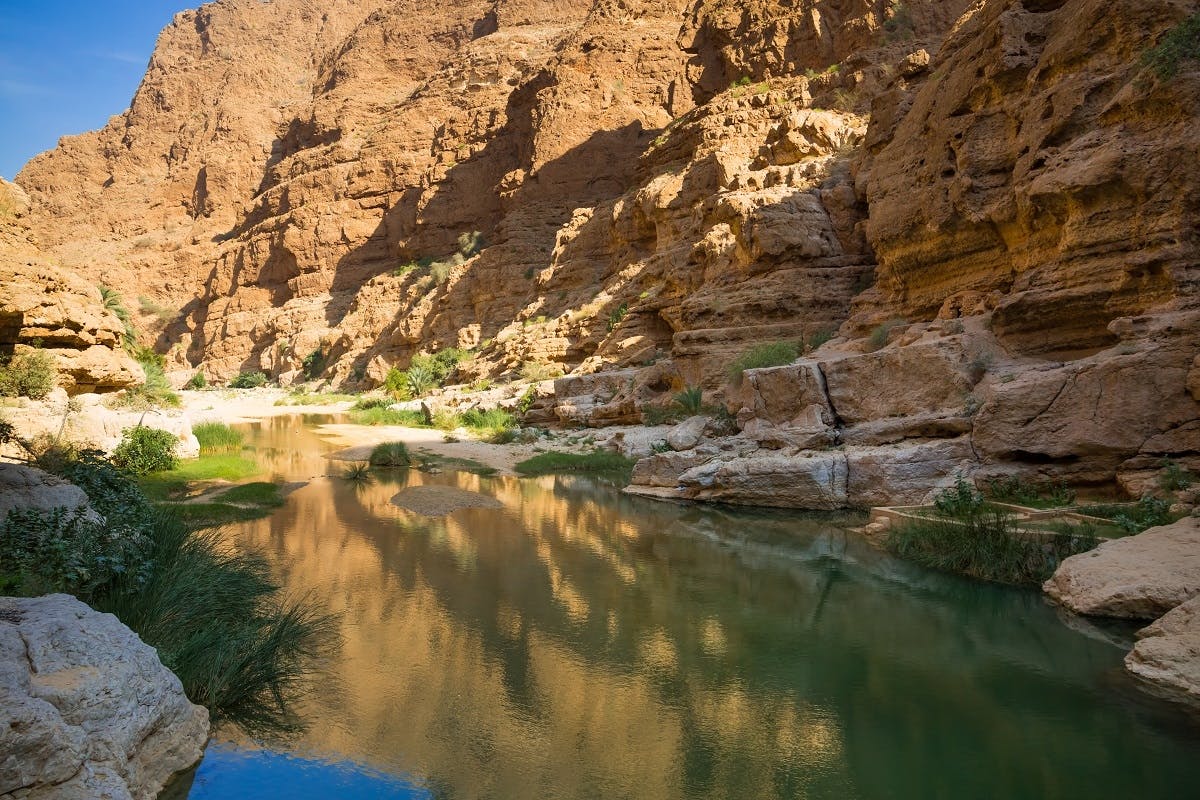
x=1167, y=655
x=1140, y=577
x=86, y=708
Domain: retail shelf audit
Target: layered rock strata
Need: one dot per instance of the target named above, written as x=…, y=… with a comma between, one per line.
x=987, y=205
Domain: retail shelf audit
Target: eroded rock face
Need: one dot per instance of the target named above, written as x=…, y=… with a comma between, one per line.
x=47, y=306
x=1139, y=577
x=987, y=205
x=86, y=709
x=1167, y=654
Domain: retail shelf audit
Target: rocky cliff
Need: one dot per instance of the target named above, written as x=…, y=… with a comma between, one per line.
x=47, y=306
x=989, y=206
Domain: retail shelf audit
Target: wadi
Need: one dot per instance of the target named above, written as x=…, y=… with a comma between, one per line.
x=647, y=398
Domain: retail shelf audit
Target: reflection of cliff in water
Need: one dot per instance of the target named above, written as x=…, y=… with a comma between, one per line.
x=580, y=643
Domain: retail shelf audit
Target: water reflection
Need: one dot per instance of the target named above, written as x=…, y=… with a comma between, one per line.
x=577, y=643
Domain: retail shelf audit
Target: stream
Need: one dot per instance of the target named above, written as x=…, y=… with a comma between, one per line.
x=578, y=643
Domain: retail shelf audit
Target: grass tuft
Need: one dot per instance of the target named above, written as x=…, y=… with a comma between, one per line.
x=771, y=354
x=390, y=454
x=217, y=437
x=598, y=462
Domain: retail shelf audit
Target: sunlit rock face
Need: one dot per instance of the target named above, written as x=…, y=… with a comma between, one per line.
x=987, y=207
x=86, y=708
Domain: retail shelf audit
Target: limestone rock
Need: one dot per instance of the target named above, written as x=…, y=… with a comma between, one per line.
x=1167, y=654
x=687, y=434
x=29, y=487
x=1140, y=577
x=906, y=474
x=815, y=481
x=86, y=709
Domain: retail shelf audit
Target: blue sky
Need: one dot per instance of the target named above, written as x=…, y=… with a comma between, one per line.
x=66, y=66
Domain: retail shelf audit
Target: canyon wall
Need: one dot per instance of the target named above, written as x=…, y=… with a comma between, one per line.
x=977, y=220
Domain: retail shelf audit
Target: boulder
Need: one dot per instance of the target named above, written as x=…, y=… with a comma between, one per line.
x=1167, y=655
x=86, y=708
x=816, y=481
x=28, y=487
x=687, y=434
x=1139, y=577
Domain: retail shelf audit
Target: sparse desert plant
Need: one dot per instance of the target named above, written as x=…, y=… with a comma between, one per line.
x=162, y=313
x=770, y=354
x=154, y=391
x=618, y=314
x=538, y=371
x=390, y=454
x=1175, y=476
x=29, y=374
x=145, y=450
x=690, y=401
x=1180, y=44
x=880, y=335
x=197, y=381
x=249, y=380
x=815, y=340
x=314, y=364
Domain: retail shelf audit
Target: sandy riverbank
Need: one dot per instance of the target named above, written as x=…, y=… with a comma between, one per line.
x=233, y=406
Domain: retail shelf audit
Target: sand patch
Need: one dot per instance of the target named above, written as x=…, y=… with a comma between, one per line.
x=438, y=501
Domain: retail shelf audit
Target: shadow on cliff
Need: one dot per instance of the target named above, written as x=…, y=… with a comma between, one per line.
x=519, y=227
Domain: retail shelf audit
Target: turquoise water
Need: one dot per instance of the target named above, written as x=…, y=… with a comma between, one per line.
x=580, y=644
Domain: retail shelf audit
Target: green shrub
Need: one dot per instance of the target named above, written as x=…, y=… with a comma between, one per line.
x=66, y=550
x=112, y=302
x=144, y=450
x=29, y=374
x=440, y=271
x=1180, y=44
x=971, y=537
x=314, y=364
x=1015, y=489
x=690, y=401
x=395, y=383
x=616, y=317
x=390, y=454
x=598, y=462
x=880, y=335
x=248, y=380
x=365, y=403
x=197, y=381
x=814, y=341
x=420, y=379
x=660, y=415
x=217, y=437
x=1175, y=476
x=771, y=354
x=155, y=391
x=526, y=401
